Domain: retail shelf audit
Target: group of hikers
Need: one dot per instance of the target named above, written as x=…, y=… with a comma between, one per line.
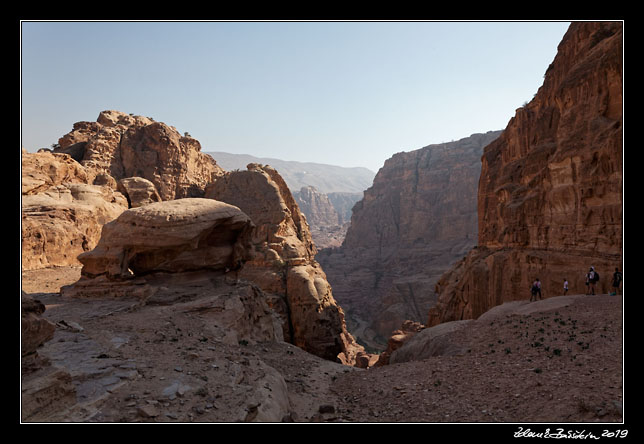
x=592, y=277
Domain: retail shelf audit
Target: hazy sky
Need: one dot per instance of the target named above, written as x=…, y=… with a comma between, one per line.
x=342, y=93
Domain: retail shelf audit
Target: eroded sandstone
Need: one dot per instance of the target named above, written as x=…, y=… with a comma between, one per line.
x=283, y=262
x=550, y=191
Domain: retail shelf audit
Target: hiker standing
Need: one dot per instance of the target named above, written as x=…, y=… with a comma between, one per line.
x=591, y=278
x=565, y=286
x=535, y=289
x=617, y=280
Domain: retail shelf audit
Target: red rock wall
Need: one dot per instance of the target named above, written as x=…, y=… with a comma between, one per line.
x=550, y=191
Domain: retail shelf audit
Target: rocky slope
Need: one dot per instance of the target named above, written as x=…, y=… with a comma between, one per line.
x=317, y=208
x=412, y=224
x=549, y=361
x=204, y=268
x=550, y=191
x=248, y=278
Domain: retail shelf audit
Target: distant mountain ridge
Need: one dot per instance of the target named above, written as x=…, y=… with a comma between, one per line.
x=325, y=178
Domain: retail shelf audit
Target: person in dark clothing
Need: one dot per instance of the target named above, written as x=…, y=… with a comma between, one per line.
x=617, y=280
x=591, y=279
x=535, y=290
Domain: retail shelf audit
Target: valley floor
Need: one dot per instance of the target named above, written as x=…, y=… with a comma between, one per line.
x=551, y=364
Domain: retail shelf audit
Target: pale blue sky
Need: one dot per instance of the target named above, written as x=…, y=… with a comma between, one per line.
x=343, y=93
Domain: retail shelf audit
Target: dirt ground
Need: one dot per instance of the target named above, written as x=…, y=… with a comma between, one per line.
x=551, y=363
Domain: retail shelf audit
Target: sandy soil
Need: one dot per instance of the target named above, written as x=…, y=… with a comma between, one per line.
x=549, y=364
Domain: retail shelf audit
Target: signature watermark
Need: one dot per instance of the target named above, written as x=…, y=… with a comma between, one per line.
x=560, y=433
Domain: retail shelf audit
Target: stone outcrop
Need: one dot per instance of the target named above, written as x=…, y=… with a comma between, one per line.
x=283, y=262
x=138, y=191
x=550, y=191
x=398, y=338
x=96, y=171
x=44, y=388
x=417, y=219
x=62, y=215
x=122, y=145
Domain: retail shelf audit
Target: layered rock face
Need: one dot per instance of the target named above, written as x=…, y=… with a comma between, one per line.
x=550, y=191
x=412, y=224
x=283, y=262
x=62, y=214
x=317, y=207
x=122, y=145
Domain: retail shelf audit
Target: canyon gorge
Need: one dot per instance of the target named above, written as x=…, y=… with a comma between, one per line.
x=417, y=218
x=160, y=286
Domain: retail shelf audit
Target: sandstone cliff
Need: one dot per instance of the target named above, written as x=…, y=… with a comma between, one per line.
x=412, y=224
x=328, y=227
x=550, y=192
x=317, y=207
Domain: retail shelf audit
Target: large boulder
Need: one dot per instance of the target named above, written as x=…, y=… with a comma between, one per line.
x=139, y=191
x=170, y=236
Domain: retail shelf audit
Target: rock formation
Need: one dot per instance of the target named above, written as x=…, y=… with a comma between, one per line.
x=98, y=170
x=343, y=202
x=417, y=219
x=172, y=236
x=327, y=226
x=168, y=252
x=283, y=262
x=178, y=252
x=317, y=207
x=138, y=191
x=550, y=191
x=122, y=145
x=44, y=388
x=62, y=215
